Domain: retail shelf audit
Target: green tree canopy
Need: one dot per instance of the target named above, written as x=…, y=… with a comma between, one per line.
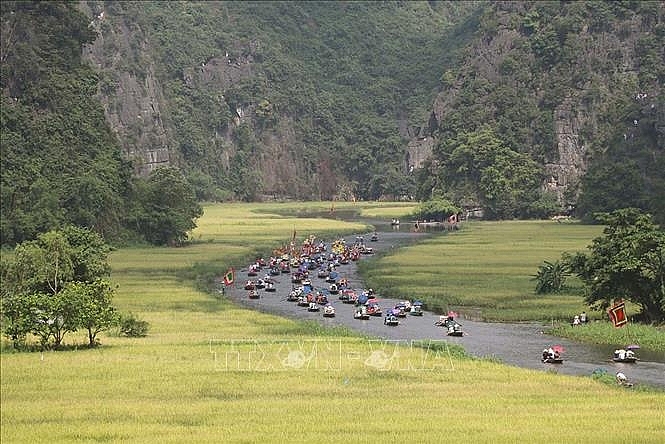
x=54, y=285
x=167, y=207
x=626, y=262
x=435, y=209
x=481, y=169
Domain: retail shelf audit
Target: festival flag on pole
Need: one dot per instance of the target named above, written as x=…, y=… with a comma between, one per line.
x=617, y=313
x=229, y=277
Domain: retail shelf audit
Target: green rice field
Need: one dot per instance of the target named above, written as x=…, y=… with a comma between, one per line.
x=486, y=269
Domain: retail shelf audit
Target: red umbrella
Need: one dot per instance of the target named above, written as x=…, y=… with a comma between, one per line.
x=632, y=347
x=452, y=314
x=558, y=348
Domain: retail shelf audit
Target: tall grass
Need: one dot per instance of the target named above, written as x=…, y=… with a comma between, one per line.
x=210, y=371
x=486, y=269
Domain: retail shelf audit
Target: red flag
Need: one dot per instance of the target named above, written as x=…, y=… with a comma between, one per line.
x=229, y=277
x=617, y=314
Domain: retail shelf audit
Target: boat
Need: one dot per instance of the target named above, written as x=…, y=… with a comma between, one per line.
x=250, y=285
x=361, y=313
x=391, y=320
x=626, y=360
x=626, y=356
x=253, y=294
x=348, y=296
x=416, y=309
x=401, y=309
x=373, y=308
x=270, y=287
x=453, y=328
x=313, y=306
x=455, y=332
x=552, y=355
x=329, y=311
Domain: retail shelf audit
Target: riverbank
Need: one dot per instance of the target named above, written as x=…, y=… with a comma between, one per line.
x=513, y=344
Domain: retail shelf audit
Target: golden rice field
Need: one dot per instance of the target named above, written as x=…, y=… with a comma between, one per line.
x=210, y=371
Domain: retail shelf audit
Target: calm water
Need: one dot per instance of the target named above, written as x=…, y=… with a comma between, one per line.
x=514, y=344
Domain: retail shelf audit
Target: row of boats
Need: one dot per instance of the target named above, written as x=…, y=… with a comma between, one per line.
x=316, y=262
x=553, y=355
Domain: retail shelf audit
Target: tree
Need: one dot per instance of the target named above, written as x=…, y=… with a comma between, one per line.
x=95, y=313
x=551, y=276
x=54, y=285
x=53, y=316
x=435, y=209
x=167, y=208
x=626, y=262
x=480, y=166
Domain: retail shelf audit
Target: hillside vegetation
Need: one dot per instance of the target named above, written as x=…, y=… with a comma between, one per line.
x=522, y=108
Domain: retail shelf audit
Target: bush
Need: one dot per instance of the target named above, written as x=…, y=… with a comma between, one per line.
x=133, y=327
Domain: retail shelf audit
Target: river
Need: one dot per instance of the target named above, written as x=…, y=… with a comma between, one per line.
x=518, y=345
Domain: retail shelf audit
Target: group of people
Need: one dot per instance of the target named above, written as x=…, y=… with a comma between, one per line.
x=623, y=354
x=550, y=353
x=580, y=319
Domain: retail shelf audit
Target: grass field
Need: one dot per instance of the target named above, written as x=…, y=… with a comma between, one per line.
x=210, y=371
x=486, y=269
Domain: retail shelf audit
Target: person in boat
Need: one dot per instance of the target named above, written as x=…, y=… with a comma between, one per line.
x=546, y=354
x=583, y=318
x=552, y=354
x=630, y=354
x=620, y=354
x=576, y=321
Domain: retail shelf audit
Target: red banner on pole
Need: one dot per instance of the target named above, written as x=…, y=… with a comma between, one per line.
x=617, y=314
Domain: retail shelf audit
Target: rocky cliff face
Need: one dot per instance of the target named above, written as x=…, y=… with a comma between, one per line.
x=592, y=69
x=137, y=108
x=133, y=101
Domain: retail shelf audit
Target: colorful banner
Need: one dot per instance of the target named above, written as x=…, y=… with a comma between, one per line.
x=617, y=314
x=229, y=277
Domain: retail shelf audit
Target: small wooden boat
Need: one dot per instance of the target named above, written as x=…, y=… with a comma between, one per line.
x=391, y=320
x=626, y=360
x=553, y=361
x=329, y=311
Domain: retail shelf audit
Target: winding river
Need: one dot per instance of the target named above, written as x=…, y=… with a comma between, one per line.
x=513, y=344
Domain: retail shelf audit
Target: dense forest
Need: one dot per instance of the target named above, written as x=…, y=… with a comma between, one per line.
x=524, y=109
